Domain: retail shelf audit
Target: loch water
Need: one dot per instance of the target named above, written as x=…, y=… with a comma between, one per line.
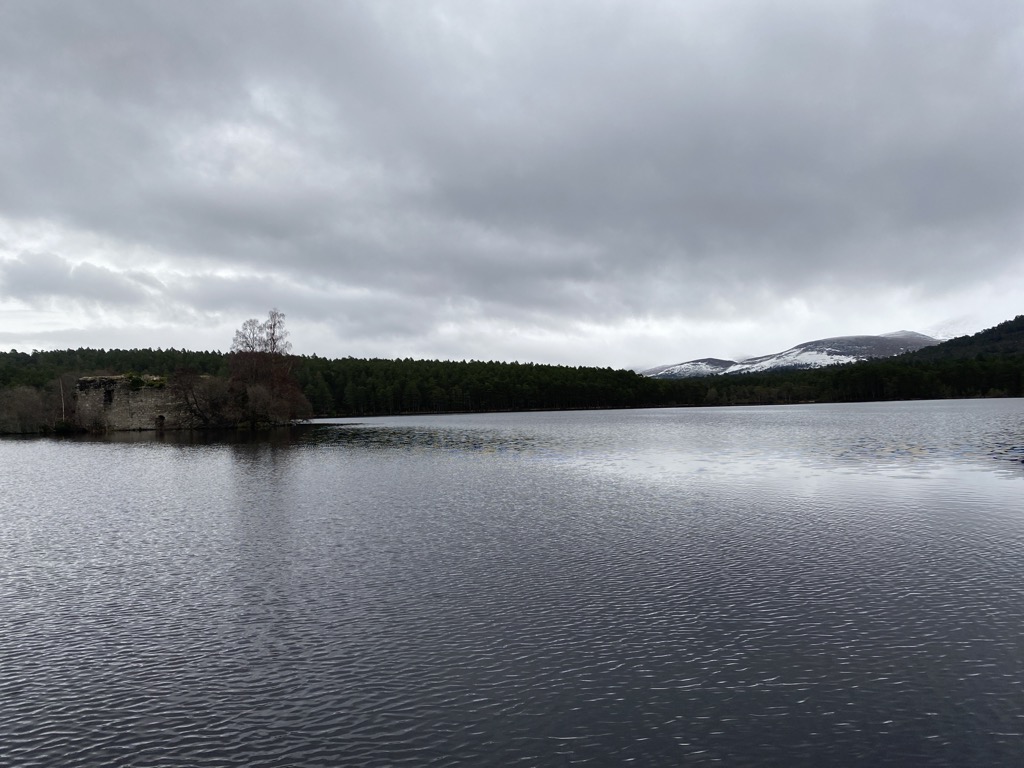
x=800, y=585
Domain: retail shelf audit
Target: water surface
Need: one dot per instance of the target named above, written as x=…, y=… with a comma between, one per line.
x=800, y=585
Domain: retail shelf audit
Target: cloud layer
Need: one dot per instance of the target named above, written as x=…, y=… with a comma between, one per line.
x=618, y=183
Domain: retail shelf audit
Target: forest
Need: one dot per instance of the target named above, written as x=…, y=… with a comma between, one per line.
x=36, y=388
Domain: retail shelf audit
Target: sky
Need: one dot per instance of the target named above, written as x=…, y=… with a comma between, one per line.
x=621, y=183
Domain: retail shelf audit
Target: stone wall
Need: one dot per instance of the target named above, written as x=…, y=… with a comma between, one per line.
x=117, y=403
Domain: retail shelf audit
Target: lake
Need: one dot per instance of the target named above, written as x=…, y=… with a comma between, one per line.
x=799, y=585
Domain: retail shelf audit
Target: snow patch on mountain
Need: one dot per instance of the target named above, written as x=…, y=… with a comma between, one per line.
x=811, y=354
x=795, y=358
x=708, y=366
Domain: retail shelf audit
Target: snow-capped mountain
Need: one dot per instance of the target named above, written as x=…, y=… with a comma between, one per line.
x=810, y=354
x=706, y=366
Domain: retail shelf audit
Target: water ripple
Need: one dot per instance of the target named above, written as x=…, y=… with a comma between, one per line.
x=410, y=598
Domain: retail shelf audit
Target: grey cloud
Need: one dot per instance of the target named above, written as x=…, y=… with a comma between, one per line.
x=48, y=276
x=539, y=164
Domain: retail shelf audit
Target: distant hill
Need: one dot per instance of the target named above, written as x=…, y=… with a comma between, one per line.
x=1007, y=338
x=810, y=354
x=692, y=369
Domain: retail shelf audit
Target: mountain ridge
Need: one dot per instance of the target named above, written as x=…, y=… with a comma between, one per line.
x=809, y=354
x=1005, y=338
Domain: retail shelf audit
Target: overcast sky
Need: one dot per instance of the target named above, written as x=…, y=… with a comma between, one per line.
x=591, y=183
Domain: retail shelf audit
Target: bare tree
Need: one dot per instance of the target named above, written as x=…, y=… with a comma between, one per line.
x=59, y=400
x=203, y=401
x=266, y=392
x=270, y=336
x=249, y=338
x=274, y=334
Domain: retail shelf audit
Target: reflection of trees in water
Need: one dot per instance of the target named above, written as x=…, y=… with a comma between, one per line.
x=419, y=438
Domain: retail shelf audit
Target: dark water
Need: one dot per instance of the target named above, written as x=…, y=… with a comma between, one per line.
x=810, y=585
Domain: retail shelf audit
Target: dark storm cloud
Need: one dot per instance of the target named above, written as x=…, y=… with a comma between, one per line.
x=532, y=163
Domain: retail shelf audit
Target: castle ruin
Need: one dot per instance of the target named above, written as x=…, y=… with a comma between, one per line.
x=120, y=403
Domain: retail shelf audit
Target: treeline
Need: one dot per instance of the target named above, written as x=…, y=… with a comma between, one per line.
x=898, y=378
x=38, y=386
x=37, y=369
x=1005, y=339
x=381, y=387
x=36, y=389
